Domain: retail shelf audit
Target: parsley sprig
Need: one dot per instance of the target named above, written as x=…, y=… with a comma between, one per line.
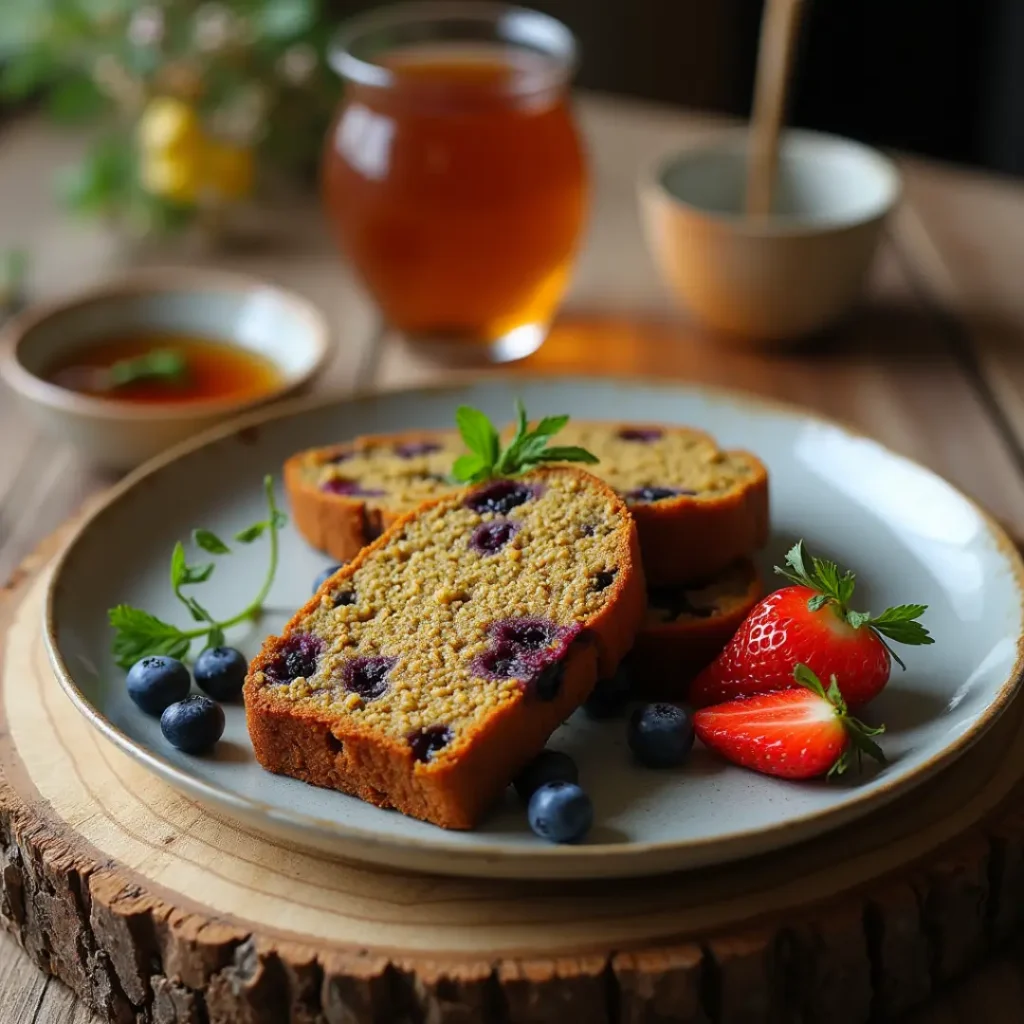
x=527, y=449
x=138, y=634
x=835, y=588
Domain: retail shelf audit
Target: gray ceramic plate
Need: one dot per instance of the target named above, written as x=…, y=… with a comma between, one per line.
x=911, y=535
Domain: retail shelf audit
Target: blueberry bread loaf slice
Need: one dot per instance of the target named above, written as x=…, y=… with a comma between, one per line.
x=344, y=496
x=686, y=627
x=697, y=508
x=424, y=674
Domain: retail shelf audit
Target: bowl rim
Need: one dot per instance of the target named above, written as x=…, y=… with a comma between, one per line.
x=33, y=388
x=652, y=188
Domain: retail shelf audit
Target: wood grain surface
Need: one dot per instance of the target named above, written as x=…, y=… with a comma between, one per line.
x=931, y=364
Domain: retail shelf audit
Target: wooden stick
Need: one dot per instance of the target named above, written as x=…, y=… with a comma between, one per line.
x=779, y=26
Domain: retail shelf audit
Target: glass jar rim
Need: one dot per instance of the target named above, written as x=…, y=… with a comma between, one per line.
x=517, y=26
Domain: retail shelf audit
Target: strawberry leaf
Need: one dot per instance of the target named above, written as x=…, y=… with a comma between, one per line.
x=806, y=678
x=899, y=624
x=835, y=587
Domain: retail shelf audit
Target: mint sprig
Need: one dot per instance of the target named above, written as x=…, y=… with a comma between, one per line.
x=834, y=588
x=527, y=449
x=165, y=365
x=139, y=634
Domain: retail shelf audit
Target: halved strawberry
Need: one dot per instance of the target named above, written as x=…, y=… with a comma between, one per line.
x=810, y=623
x=795, y=734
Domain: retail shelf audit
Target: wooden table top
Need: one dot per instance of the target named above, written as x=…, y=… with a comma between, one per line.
x=931, y=363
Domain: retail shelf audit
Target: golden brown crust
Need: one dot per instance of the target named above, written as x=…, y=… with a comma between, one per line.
x=668, y=655
x=682, y=539
x=686, y=538
x=452, y=791
x=337, y=524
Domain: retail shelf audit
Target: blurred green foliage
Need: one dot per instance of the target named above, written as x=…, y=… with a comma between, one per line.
x=253, y=71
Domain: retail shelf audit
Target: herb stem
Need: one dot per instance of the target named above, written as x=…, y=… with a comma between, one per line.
x=256, y=604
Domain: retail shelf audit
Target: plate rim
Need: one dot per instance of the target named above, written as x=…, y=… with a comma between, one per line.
x=542, y=858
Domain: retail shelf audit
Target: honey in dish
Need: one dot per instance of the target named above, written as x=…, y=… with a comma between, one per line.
x=213, y=370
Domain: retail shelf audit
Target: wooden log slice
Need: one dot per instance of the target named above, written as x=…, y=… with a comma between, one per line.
x=155, y=911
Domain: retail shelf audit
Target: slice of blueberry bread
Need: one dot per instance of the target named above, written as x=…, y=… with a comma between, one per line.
x=345, y=496
x=686, y=627
x=697, y=508
x=424, y=674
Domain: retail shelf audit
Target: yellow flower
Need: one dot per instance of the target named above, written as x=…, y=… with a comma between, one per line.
x=167, y=125
x=178, y=161
x=227, y=170
x=171, y=176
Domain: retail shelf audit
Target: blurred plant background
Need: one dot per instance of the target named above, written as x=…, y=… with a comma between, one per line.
x=194, y=103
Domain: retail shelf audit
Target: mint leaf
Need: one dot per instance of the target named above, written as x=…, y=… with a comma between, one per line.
x=197, y=573
x=550, y=425
x=251, y=533
x=215, y=638
x=479, y=434
x=467, y=466
x=528, y=448
x=570, y=453
x=210, y=542
x=178, y=565
x=137, y=634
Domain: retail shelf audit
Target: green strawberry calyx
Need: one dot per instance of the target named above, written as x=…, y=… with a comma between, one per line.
x=834, y=588
x=860, y=736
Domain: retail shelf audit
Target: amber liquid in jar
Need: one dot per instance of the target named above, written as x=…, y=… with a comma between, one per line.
x=458, y=191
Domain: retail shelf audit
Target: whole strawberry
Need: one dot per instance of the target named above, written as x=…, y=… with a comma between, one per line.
x=795, y=734
x=810, y=623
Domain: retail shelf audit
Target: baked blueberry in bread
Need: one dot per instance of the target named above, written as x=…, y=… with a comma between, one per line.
x=428, y=671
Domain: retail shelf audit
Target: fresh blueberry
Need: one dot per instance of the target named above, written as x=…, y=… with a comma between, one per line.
x=560, y=812
x=193, y=725
x=609, y=696
x=427, y=742
x=547, y=766
x=501, y=496
x=489, y=538
x=156, y=682
x=220, y=672
x=326, y=575
x=660, y=735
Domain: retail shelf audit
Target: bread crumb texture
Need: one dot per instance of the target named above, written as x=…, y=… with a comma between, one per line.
x=399, y=475
x=404, y=637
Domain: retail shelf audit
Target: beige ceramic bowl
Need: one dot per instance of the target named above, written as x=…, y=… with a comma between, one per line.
x=265, y=319
x=780, y=277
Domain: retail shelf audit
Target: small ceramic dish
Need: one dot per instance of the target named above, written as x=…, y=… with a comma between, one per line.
x=910, y=536
x=771, y=278
x=261, y=318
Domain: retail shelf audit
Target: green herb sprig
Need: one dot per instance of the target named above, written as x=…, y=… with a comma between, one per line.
x=138, y=634
x=162, y=364
x=527, y=449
